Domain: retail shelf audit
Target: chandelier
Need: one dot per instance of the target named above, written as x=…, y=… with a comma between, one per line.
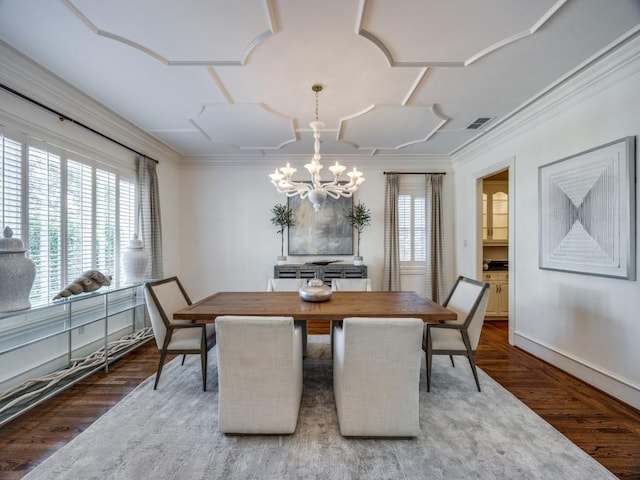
x=316, y=191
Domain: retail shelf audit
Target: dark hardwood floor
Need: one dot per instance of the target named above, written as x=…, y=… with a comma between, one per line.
x=606, y=429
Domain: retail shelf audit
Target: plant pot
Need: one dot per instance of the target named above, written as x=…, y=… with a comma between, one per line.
x=282, y=260
x=358, y=260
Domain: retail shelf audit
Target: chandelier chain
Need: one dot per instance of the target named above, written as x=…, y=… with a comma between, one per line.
x=317, y=109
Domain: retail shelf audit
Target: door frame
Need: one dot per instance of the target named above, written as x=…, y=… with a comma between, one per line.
x=506, y=164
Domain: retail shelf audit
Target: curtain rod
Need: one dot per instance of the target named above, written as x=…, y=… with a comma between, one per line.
x=62, y=117
x=415, y=173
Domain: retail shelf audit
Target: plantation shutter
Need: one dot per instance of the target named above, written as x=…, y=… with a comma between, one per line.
x=45, y=217
x=11, y=184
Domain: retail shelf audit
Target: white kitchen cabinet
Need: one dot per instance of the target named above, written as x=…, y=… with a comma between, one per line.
x=495, y=212
x=498, y=304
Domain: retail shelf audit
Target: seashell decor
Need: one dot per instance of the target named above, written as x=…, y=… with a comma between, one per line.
x=88, y=282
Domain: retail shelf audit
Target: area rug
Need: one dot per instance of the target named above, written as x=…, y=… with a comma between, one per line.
x=172, y=433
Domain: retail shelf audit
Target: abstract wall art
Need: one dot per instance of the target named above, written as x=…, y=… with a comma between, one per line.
x=587, y=212
x=326, y=232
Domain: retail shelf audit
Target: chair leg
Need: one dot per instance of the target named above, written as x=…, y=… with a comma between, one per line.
x=452, y=364
x=163, y=357
x=183, y=358
x=303, y=325
x=428, y=364
x=473, y=369
x=203, y=359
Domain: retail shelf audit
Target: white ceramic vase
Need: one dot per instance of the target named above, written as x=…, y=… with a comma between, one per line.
x=134, y=261
x=282, y=260
x=358, y=260
x=17, y=273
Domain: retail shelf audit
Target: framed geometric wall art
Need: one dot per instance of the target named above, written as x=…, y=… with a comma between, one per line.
x=587, y=212
x=326, y=232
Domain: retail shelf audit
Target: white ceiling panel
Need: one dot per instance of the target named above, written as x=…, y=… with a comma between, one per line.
x=453, y=31
x=233, y=77
x=249, y=127
x=197, y=31
x=374, y=129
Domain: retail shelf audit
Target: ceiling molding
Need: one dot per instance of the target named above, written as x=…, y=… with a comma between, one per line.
x=269, y=54
x=409, y=163
x=161, y=58
x=32, y=80
x=412, y=90
x=362, y=11
x=613, y=64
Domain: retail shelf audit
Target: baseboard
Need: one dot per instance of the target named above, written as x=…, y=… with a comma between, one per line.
x=620, y=388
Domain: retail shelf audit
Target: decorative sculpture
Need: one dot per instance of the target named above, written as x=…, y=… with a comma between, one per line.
x=17, y=273
x=89, y=281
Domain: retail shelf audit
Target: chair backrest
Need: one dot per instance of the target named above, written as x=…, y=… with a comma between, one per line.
x=163, y=298
x=468, y=299
x=351, y=284
x=249, y=347
x=382, y=344
x=284, y=284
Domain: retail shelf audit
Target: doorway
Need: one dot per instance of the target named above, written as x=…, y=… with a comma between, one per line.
x=494, y=239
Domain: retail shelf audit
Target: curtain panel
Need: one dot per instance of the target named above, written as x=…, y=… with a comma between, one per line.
x=391, y=270
x=435, y=280
x=149, y=223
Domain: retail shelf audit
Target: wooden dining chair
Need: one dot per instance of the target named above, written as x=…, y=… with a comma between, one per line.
x=468, y=299
x=182, y=337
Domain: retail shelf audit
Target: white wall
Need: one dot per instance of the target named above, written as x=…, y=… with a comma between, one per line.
x=227, y=239
x=587, y=325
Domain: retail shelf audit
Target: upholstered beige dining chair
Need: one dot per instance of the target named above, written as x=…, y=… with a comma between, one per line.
x=376, y=376
x=468, y=299
x=259, y=374
x=163, y=298
x=290, y=285
x=347, y=285
x=351, y=284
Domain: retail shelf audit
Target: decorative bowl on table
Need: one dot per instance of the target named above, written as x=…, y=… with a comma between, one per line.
x=315, y=291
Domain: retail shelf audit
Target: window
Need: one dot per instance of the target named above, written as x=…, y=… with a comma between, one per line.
x=11, y=185
x=72, y=213
x=411, y=221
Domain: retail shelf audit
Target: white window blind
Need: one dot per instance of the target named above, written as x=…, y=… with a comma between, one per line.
x=44, y=192
x=105, y=244
x=72, y=213
x=79, y=218
x=411, y=221
x=11, y=185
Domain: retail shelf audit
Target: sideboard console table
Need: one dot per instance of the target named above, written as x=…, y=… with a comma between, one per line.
x=53, y=346
x=326, y=273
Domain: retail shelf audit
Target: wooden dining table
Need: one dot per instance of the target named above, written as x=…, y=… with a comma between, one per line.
x=340, y=306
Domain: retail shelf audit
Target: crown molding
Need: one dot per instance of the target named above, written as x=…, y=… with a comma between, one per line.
x=608, y=67
x=409, y=163
x=31, y=79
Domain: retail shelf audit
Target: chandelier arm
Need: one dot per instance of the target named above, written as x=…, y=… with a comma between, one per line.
x=302, y=186
x=340, y=191
x=333, y=194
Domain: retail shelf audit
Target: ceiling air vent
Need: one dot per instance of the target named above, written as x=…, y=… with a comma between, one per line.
x=478, y=122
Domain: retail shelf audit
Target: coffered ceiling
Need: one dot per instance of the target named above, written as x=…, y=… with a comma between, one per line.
x=220, y=78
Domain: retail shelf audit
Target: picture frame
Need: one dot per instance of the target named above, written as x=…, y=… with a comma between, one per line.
x=326, y=232
x=587, y=212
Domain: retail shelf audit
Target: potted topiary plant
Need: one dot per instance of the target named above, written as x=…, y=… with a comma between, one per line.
x=282, y=218
x=359, y=216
